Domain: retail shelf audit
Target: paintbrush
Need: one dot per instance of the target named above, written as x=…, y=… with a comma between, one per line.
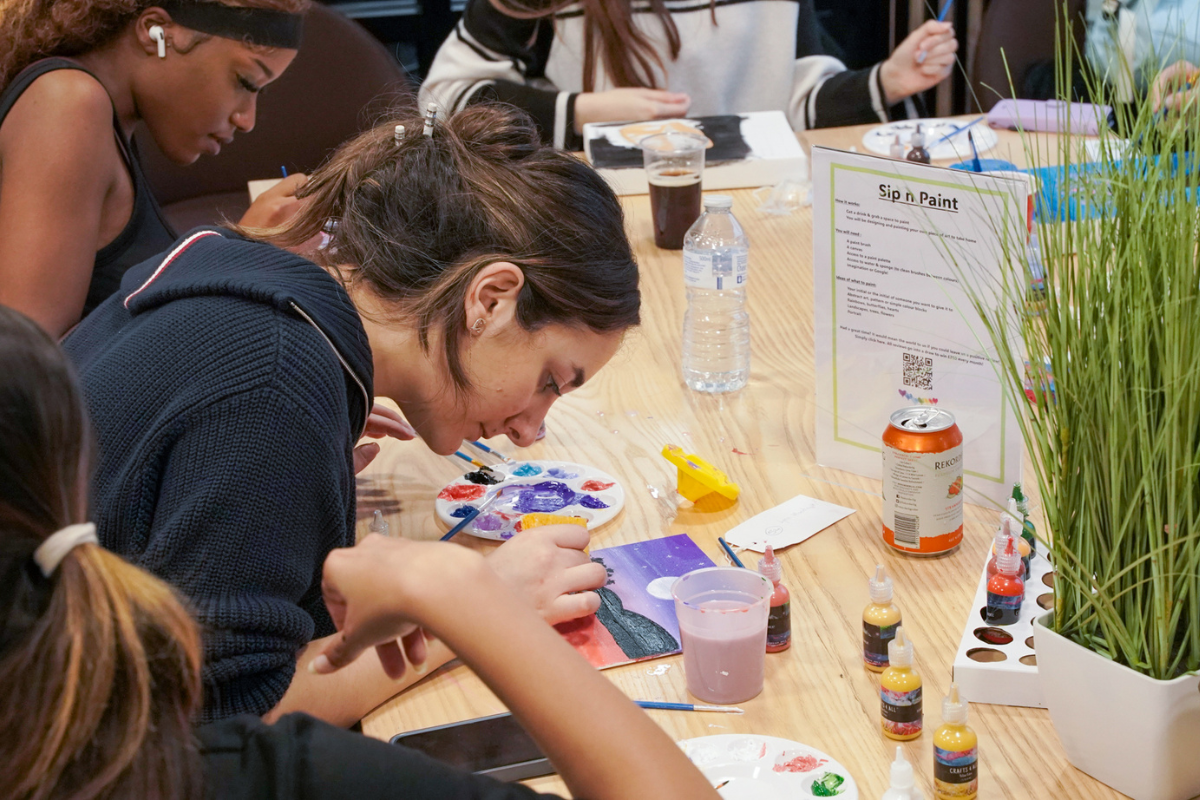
x=737, y=562
x=470, y=517
x=975, y=165
x=941, y=17
x=955, y=132
x=492, y=475
x=486, y=449
x=687, y=707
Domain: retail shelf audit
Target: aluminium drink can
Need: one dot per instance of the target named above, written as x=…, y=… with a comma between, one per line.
x=922, y=482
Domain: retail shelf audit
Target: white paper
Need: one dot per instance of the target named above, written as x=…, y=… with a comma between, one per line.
x=786, y=524
x=257, y=187
x=884, y=288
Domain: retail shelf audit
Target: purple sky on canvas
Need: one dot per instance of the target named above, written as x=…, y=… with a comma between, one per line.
x=635, y=565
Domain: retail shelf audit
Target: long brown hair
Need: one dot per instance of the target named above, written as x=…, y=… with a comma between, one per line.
x=611, y=37
x=34, y=29
x=418, y=220
x=99, y=662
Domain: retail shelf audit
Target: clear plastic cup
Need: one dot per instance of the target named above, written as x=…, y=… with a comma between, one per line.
x=722, y=614
x=674, y=167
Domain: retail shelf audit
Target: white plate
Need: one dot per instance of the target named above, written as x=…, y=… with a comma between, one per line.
x=879, y=139
x=592, y=494
x=765, y=768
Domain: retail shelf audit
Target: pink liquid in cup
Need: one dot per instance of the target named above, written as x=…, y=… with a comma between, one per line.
x=722, y=615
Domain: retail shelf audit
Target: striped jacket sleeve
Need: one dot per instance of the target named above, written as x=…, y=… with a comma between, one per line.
x=491, y=56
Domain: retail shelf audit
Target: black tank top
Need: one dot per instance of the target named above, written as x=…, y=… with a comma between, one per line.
x=147, y=232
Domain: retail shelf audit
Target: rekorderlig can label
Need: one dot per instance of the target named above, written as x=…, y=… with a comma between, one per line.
x=922, y=495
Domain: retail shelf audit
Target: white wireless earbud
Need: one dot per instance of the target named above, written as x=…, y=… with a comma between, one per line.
x=157, y=34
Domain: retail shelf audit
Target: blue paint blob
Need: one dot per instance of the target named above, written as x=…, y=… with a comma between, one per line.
x=561, y=474
x=527, y=470
x=587, y=501
x=545, y=498
x=462, y=512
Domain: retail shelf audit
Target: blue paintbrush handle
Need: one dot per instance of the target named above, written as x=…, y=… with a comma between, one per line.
x=732, y=555
x=464, y=522
x=957, y=131
x=686, y=707
x=945, y=10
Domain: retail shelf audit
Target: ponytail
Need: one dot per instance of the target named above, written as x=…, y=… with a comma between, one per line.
x=99, y=661
x=416, y=221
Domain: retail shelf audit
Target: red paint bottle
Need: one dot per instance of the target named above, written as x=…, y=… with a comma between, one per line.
x=779, y=623
x=1006, y=589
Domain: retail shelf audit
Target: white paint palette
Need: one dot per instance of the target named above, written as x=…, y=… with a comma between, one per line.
x=749, y=767
x=879, y=139
x=526, y=487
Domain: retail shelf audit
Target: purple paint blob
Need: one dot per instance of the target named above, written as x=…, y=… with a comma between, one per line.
x=561, y=474
x=587, y=501
x=489, y=522
x=527, y=471
x=545, y=497
x=462, y=512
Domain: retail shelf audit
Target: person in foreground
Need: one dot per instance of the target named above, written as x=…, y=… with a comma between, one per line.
x=101, y=661
x=76, y=78
x=473, y=277
x=571, y=62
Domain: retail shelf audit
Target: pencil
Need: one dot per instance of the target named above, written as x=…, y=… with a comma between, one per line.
x=687, y=707
x=737, y=562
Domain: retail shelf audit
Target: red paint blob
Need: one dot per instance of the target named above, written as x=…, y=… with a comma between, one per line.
x=739, y=452
x=462, y=491
x=800, y=764
x=595, y=486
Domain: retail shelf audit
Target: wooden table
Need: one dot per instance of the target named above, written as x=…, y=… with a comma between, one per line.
x=817, y=692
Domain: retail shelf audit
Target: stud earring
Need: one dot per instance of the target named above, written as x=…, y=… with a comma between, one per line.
x=477, y=328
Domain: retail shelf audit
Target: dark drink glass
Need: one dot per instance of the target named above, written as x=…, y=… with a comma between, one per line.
x=674, y=168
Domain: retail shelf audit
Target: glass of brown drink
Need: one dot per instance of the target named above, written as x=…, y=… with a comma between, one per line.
x=674, y=165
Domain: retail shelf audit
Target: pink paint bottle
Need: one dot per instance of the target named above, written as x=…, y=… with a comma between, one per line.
x=779, y=623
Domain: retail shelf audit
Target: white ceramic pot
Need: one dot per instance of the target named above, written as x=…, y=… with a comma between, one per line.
x=1138, y=735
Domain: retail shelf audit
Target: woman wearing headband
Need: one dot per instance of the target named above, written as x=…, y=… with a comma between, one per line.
x=100, y=661
x=473, y=276
x=76, y=77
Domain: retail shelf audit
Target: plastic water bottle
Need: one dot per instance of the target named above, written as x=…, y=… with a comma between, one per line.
x=716, y=327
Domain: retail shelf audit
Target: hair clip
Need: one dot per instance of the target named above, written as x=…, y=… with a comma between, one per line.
x=430, y=118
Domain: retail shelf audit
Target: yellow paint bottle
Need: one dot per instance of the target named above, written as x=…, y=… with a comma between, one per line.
x=955, y=752
x=881, y=618
x=900, y=692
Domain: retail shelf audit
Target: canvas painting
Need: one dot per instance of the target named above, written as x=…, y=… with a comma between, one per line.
x=636, y=620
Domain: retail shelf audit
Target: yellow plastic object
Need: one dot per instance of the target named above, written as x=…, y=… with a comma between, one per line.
x=697, y=477
x=537, y=520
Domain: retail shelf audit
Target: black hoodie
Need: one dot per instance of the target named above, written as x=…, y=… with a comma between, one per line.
x=228, y=382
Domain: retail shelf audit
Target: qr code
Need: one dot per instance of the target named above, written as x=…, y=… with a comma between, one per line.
x=918, y=372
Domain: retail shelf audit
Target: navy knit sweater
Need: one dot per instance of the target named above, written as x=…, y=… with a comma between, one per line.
x=226, y=424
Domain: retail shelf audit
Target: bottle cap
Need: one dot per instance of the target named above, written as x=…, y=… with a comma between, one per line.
x=954, y=708
x=917, y=139
x=378, y=524
x=900, y=650
x=718, y=201
x=880, y=586
x=902, y=771
x=770, y=566
x=1009, y=561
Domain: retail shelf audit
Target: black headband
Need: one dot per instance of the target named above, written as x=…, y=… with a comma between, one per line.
x=259, y=26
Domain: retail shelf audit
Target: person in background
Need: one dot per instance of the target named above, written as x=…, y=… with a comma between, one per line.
x=101, y=660
x=570, y=62
x=473, y=276
x=76, y=77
